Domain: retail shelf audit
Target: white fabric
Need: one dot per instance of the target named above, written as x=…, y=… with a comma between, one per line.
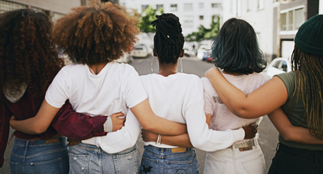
x=229, y=161
x=179, y=98
x=232, y=161
x=115, y=89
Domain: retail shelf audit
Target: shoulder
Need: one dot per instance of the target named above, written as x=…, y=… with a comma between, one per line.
x=263, y=77
x=289, y=81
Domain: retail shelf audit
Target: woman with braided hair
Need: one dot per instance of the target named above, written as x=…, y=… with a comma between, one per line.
x=298, y=94
x=178, y=97
x=93, y=37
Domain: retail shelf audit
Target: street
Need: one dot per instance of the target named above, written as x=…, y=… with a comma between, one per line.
x=268, y=134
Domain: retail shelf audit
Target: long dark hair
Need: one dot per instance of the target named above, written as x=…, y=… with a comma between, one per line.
x=27, y=53
x=235, y=49
x=168, y=40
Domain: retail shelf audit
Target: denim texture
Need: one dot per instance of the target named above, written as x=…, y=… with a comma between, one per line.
x=290, y=160
x=162, y=161
x=90, y=159
x=39, y=157
x=233, y=161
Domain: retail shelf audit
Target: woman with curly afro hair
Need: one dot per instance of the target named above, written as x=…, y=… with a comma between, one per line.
x=28, y=64
x=93, y=37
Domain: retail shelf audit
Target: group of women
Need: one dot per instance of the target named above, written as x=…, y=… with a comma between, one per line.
x=104, y=104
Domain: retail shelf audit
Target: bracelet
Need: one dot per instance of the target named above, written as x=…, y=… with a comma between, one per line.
x=158, y=142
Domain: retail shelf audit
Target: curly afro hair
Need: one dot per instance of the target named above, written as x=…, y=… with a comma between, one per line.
x=97, y=34
x=27, y=53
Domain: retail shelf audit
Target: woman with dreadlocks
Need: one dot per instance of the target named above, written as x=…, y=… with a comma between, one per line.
x=178, y=97
x=297, y=93
x=93, y=37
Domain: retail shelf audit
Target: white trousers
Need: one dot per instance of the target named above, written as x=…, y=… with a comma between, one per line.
x=232, y=161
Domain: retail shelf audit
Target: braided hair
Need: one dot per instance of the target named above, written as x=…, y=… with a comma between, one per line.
x=168, y=40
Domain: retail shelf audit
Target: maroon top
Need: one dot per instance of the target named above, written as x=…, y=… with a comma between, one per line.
x=67, y=122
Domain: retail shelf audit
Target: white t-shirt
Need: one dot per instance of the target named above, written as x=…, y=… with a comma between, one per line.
x=222, y=118
x=179, y=98
x=115, y=89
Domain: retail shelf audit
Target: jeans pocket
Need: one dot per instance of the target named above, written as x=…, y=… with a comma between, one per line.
x=79, y=163
x=213, y=163
x=13, y=167
x=255, y=165
x=127, y=162
x=148, y=165
x=179, y=167
x=48, y=166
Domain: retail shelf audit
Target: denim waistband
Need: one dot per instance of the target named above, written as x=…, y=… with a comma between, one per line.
x=56, y=140
x=163, y=152
x=304, y=153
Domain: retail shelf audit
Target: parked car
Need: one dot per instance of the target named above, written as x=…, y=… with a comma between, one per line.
x=141, y=50
x=201, y=50
x=278, y=66
x=206, y=54
x=188, y=52
x=126, y=58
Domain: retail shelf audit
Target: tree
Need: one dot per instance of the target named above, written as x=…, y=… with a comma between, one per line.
x=147, y=17
x=205, y=33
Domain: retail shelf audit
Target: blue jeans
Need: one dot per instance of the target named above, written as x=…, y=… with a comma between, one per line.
x=161, y=160
x=86, y=158
x=39, y=157
x=290, y=160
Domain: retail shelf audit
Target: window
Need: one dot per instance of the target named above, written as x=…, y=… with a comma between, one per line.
x=173, y=7
x=283, y=21
x=215, y=5
x=188, y=7
x=7, y=6
x=159, y=6
x=292, y=19
x=201, y=17
x=187, y=21
x=261, y=4
x=201, y=5
x=276, y=65
x=143, y=7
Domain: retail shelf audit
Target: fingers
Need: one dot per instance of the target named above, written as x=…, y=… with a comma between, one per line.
x=119, y=114
x=12, y=117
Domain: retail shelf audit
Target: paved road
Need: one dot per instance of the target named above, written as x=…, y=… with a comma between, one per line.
x=268, y=134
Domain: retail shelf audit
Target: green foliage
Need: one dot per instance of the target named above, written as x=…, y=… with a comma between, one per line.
x=205, y=33
x=147, y=17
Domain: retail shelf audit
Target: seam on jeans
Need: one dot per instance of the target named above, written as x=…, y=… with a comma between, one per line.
x=47, y=162
x=189, y=153
x=179, y=162
x=125, y=154
x=256, y=158
x=44, y=153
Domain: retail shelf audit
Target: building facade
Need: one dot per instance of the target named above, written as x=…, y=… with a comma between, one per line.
x=191, y=13
x=276, y=22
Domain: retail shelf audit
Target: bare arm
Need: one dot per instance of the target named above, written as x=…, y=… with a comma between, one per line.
x=290, y=132
x=37, y=124
x=151, y=122
x=182, y=140
x=262, y=101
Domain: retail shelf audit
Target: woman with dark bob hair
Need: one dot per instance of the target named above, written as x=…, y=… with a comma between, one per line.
x=298, y=94
x=93, y=37
x=28, y=64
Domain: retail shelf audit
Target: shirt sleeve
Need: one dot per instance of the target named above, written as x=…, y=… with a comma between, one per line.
x=58, y=90
x=78, y=126
x=201, y=137
x=208, y=102
x=4, y=131
x=289, y=81
x=134, y=90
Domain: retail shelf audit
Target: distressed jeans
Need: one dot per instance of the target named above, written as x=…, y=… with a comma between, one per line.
x=161, y=160
x=90, y=159
x=39, y=156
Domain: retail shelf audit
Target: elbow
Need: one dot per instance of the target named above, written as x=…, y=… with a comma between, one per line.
x=38, y=130
x=287, y=136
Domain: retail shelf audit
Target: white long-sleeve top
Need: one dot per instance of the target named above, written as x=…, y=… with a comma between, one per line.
x=179, y=98
x=222, y=118
x=115, y=89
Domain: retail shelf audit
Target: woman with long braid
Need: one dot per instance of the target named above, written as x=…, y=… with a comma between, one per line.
x=178, y=97
x=297, y=93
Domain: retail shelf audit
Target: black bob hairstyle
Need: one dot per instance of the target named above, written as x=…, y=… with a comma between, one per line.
x=235, y=49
